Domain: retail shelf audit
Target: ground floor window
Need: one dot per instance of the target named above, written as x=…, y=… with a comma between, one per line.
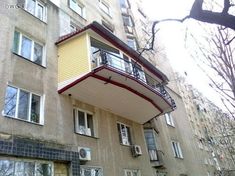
x=132, y=172
x=91, y=171
x=12, y=167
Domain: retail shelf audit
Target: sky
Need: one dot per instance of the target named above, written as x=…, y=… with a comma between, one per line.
x=173, y=36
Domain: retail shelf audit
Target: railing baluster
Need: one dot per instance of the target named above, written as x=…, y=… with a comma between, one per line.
x=132, y=69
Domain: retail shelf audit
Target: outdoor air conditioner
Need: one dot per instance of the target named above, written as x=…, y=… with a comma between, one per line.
x=136, y=150
x=84, y=153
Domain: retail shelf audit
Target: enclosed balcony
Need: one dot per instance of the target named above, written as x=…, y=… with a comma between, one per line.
x=97, y=68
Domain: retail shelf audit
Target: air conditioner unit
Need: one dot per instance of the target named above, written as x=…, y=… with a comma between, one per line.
x=84, y=153
x=136, y=150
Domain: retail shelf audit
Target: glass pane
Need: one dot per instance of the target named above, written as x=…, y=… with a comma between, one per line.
x=19, y=168
x=43, y=169
x=23, y=105
x=90, y=128
x=30, y=6
x=40, y=11
x=26, y=47
x=29, y=168
x=16, y=42
x=81, y=122
x=35, y=109
x=10, y=101
x=37, y=57
x=149, y=137
x=6, y=168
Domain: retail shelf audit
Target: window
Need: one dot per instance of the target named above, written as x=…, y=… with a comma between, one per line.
x=91, y=171
x=27, y=48
x=176, y=149
x=19, y=167
x=124, y=134
x=132, y=172
x=105, y=7
x=83, y=122
x=24, y=105
x=36, y=8
x=169, y=119
x=150, y=138
x=131, y=42
x=77, y=7
x=127, y=20
x=124, y=4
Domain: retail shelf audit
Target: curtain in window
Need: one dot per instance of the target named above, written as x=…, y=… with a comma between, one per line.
x=37, y=58
x=26, y=47
x=30, y=6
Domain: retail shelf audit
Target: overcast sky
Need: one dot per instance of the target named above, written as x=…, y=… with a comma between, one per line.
x=173, y=36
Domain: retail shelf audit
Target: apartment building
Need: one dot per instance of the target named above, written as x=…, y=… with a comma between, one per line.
x=213, y=131
x=78, y=96
x=74, y=103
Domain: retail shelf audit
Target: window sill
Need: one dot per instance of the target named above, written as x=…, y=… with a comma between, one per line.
x=28, y=60
x=179, y=158
x=172, y=126
x=125, y=145
x=22, y=120
x=86, y=135
x=34, y=16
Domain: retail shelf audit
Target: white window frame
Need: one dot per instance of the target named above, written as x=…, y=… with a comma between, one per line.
x=131, y=171
x=41, y=113
x=29, y=161
x=104, y=6
x=37, y=3
x=90, y=167
x=124, y=138
x=177, y=149
x=169, y=119
x=74, y=4
x=18, y=52
x=77, y=129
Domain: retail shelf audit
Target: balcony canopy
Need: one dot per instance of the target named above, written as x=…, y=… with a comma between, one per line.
x=107, y=35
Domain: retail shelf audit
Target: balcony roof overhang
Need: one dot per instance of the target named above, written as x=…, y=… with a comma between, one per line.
x=116, y=92
x=99, y=29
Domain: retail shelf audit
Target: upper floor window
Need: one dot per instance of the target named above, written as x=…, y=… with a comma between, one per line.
x=132, y=172
x=176, y=149
x=36, y=8
x=131, y=42
x=28, y=48
x=77, y=7
x=25, y=167
x=105, y=7
x=24, y=105
x=127, y=20
x=124, y=134
x=91, y=171
x=124, y=3
x=83, y=122
x=169, y=119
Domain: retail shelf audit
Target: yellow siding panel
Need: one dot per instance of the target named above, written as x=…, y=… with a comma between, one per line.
x=73, y=59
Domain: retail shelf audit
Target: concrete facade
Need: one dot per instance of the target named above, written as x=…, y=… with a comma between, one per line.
x=54, y=139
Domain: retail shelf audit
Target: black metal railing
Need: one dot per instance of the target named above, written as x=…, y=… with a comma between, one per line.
x=102, y=57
